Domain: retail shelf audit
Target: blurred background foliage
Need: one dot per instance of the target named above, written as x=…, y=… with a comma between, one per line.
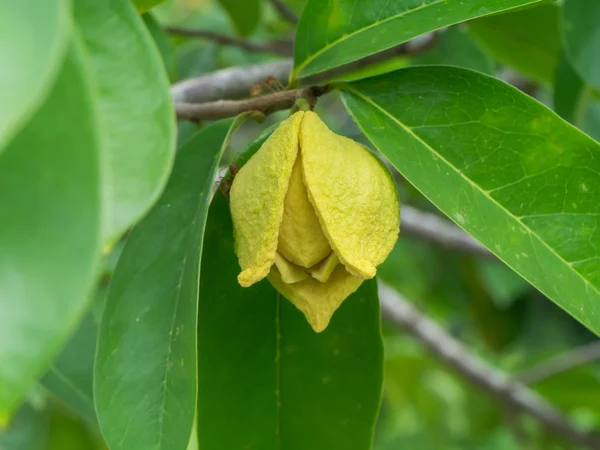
x=479, y=300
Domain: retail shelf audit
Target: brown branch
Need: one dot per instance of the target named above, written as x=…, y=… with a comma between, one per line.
x=284, y=11
x=497, y=384
x=283, y=48
x=264, y=104
x=562, y=363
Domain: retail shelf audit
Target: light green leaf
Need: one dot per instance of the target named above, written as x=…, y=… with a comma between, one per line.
x=456, y=48
x=502, y=166
x=146, y=5
x=528, y=40
x=266, y=379
x=145, y=374
x=340, y=31
x=50, y=231
x=33, y=39
x=581, y=34
x=136, y=110
x=70, y=376
x=245, y=14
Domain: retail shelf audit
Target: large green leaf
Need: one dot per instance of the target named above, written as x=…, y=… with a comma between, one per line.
x=145, y=374
x=33, y=39
x=245, y=14
x=70, y=376
x=528, y=40
x=581, y=33
x=50, y=229
x=266, y=380
x=336, y=32
x=136, y=109
x=501, y=165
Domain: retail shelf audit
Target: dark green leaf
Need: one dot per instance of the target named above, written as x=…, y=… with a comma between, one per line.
x=456, y=48
x=528, y=40
x=145, y=374
x=33, y=40
x=581, y=32
x=70, y=376
x=337, y=32
x=27, y=431
x=50, y=230
x=69, y=433
x=266, y=380
x=145, y=5
x=575, y=101
x=161, y=40
x=502, y=166
x=245, y=14
x=136, y=110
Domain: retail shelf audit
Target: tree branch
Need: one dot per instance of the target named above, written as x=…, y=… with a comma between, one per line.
x=265, y=104
x=231, y=83
x=282, y=48
x=498, y=385
x=562, y=363
x=284, y=11
x=440, y=231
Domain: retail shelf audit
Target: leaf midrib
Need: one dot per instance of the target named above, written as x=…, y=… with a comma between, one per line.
x=473, y=184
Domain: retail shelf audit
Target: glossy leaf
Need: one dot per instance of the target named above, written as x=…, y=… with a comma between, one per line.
x=245, y=14
x=136, y=110
x=456, y=48
x=581, y=33
x=340, y=31
x=50, y=230
x=265, y=376
x=528, y=40
x=70, y=376
x=501, y=165
x=145, y=374
x=33, y=40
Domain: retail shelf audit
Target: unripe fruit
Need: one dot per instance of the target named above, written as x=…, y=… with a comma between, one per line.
x=315, y=213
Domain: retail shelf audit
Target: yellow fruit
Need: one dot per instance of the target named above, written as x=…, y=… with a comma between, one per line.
x=314, y=212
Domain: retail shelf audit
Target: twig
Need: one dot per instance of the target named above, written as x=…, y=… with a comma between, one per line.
x=440, y=231
x=236, y=82
x=497, y=384
x=231, y=83
x=562, y=363
x=284, y=11
x=265, y=104
x=282, y=48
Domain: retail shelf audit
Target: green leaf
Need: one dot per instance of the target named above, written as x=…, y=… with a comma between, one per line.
x=136, y=110
x=146, y=5
x=337, y=32
x=33, y=40
x=245, y=14
x=266, y=379
x=581, y=33
x=575, y=101
x=145, y=374
x=528, y=40
x=161, y=40
x=70, y=376
x=501, y=165
x=27, y=431
x=456, y=48
x=50, y=231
